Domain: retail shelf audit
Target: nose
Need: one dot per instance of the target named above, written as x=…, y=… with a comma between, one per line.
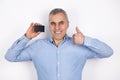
x=57, y=27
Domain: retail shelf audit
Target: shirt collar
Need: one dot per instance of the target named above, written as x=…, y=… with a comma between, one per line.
x=65, y=38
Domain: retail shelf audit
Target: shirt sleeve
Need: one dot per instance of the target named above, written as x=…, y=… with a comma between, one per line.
x=97, y=49
x=19, y=51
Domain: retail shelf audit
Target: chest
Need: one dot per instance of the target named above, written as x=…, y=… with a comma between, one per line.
x=67, y=55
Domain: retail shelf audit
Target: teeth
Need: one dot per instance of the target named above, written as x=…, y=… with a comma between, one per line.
x=58, y=32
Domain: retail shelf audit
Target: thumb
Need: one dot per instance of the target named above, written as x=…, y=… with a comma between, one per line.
x=77, y=30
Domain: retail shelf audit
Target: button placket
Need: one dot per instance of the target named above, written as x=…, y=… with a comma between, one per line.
x=58, y=64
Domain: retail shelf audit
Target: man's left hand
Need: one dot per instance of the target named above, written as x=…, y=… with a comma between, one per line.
x=78, y=37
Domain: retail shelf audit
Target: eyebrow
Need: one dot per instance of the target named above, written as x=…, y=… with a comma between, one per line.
x=56, y=22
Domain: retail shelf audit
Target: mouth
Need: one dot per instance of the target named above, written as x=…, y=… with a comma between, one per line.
x=58, y=32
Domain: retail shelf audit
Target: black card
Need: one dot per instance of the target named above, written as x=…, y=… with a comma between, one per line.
x=39, y=28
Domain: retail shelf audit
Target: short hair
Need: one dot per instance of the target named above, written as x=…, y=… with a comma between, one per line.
x=58, y=10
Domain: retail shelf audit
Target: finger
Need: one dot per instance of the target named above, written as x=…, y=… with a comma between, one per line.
x=35, y=34
x=30, y=27
x=31, y=24
x=77, y=30
x=37, y=24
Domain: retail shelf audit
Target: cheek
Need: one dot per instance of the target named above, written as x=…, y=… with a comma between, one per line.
x=51, y=28
x=65, y=29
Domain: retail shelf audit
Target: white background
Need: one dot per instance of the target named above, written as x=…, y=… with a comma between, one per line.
x=95, y=18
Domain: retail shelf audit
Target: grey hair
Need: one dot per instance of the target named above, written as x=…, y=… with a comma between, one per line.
x=58, y=10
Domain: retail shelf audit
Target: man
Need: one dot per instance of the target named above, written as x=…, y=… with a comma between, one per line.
x=60, y=57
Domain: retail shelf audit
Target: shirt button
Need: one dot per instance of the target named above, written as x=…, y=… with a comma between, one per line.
x=58, y=75
x=58, y=63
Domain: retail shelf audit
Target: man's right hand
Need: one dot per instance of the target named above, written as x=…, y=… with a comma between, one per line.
x=30, y=33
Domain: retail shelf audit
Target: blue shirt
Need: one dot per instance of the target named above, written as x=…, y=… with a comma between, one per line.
x=64, y=62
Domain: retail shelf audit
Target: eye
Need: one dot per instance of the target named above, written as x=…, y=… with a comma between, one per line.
x=61, y=22
x=52, y=23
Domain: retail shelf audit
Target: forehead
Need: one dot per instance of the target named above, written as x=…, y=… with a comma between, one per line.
x=57, y=17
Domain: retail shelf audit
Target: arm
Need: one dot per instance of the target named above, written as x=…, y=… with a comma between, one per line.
x=98, y=48
x=19, y=51
x=95, y=47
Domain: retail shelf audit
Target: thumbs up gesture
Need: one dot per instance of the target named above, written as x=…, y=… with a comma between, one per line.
x=78, y=37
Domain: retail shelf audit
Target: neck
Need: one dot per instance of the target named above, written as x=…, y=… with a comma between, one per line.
x=57, y=42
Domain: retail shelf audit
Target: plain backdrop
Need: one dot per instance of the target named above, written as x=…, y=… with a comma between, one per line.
x=95, y=18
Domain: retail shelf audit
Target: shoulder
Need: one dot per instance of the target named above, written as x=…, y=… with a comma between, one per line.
x=38, y=42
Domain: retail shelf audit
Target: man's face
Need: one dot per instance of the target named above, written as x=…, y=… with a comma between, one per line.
x=58, y=26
